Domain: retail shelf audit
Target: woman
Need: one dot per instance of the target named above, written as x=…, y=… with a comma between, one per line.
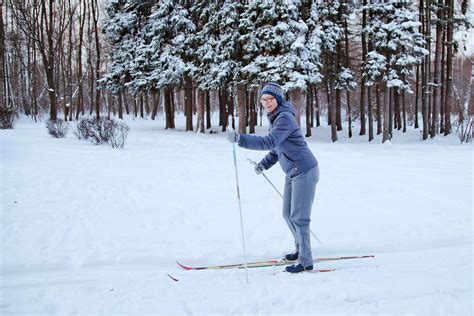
x=287, y=146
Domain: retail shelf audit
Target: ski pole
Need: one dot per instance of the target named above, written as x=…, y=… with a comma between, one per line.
x=240, y=211
x=279, y=193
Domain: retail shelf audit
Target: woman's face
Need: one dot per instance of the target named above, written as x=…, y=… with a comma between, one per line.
x=269, y=102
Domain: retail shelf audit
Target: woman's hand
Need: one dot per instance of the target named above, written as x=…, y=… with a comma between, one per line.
x=233, y=137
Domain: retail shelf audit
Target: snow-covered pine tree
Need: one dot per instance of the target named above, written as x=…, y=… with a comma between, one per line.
x=300, y=64
x=259, y=44
x=200, y=13
x=331, y=16
x=277, y=47
x=121, y=28
x=313, y=43
x=152, y=48
x=217, y=62
x=169, y=35
x=397, y=47
x=346, y=80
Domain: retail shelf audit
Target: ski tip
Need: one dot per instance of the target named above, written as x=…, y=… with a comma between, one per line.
x=183, y=266
x=172, y=278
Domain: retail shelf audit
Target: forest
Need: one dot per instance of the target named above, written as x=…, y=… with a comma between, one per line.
x=385, y=65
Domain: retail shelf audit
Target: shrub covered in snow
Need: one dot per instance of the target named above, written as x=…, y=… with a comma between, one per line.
x=465, y=130
x=101, y=131
x=7, y=118
x=119, y=134
x=57, y=128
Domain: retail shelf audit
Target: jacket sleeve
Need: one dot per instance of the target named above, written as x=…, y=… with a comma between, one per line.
x=269, y=160
x=281, y=129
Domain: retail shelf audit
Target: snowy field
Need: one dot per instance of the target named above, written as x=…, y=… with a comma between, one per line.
x=93, y=230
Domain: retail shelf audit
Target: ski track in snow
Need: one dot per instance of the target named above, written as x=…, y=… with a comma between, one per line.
x=92, y=230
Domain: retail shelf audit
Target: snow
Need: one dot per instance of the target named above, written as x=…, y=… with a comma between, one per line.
x=93, y=230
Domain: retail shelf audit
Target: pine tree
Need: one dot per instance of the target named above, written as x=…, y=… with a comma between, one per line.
x=217, y=50
x=122, y=31
x=331, y=15
x=397, y=47
x=280, y=47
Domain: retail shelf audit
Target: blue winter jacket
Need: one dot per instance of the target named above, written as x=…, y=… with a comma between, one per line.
x=285, y=142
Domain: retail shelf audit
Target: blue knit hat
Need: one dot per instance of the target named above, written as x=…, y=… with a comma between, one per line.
x=275, y=90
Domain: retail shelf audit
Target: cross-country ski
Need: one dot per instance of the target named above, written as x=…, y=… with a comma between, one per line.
x=267, y=263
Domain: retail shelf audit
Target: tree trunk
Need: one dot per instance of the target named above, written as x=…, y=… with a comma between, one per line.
x=378, y=108
x=188, y=103
x=437, y=73
x=420, y=69
x=200, y=111
x=49, y=57
x=349, y=114
x=208, y=109
x=91, y=87
x=329, y=101
x=168, y=108
x=449, y=68
x=386, y=114
x=195, y=100
x=338, y=65
x=231, y=98
x=120, y=105
x=173, y=107
x=332, y=111
x=404, y=112
x=241, y=108
x=348, y=93
x=135, y=107
x=156, y=103
x=34, y=81
x=443, y=83
x=70, y=108
x=398, y=116
x=427, y=73
x=126, y=103
x=390, y=109
x=363, y=80
x=417, y=95
x=223, y=109
x=95, y=17
x=252, y=112
x=247, y=107
x=80, y=85
x=141, y=106
x=295, y=97
x=147, y=104
x=338, y=110
x=318, y=121
x=308, y=113
x=370, y=114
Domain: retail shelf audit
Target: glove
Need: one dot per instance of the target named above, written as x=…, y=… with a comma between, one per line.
x=233, y=137
x=257, y=167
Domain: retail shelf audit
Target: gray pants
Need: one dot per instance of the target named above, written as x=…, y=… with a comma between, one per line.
x=298, y=199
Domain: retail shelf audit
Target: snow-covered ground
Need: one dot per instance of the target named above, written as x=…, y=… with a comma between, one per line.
x=93, y=230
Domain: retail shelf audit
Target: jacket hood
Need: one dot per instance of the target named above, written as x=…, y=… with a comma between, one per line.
x=284, y=107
